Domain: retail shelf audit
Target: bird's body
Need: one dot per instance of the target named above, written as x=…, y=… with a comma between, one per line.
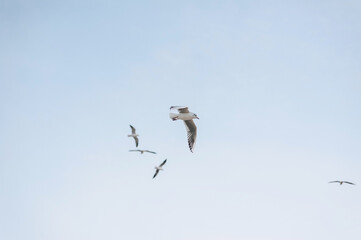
x=142, y=151
x=159, y=168
x=182, y=116
x=342, y=182
x=134, y=135
x=187, y=117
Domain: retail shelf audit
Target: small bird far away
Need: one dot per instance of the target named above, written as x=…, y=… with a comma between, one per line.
x=142, y=151
x=341, y=182
x=134, y=135
x=158, y=168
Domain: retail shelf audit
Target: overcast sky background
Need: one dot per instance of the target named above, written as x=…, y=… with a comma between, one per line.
x=277, y=88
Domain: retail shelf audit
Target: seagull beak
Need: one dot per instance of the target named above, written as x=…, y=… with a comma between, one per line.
x=197, y=117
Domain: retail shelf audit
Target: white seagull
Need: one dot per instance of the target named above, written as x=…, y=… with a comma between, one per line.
x=142, y=151
x=341, y=182
x=158, y=168
x=134, y=135
x=187, y=117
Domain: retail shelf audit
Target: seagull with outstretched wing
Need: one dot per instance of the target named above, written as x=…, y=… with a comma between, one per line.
x=134, y=135
x=142, y=151
x=158, y=168
x=342, y=182
x=187, y=116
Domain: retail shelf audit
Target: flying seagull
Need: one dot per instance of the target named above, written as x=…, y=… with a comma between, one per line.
x=142, y=151
x=187, y=117
x=159, y=168
x=134, y=135
x=341, y=182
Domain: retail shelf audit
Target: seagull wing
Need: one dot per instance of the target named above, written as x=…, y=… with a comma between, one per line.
x=136, y=141
x=133, y=129
x=180, y=109
x=156, y=173
x=191, y=133
x=349, y=183
x=334, y=182
x=163, y=163
x=134, y=150
x=150, y=151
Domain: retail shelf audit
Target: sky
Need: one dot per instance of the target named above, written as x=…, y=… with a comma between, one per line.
x=276, y=86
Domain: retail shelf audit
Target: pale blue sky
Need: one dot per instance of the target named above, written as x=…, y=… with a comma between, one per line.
x=277, y=88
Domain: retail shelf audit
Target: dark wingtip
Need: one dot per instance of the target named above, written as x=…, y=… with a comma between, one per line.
x=190, y=148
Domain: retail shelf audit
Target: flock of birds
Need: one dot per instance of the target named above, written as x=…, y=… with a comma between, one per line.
x=187, y=116
x=183, y=114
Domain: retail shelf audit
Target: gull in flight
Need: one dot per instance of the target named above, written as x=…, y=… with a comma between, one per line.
x=187, y=117
x=134, y=135
x=142, y=151
x=159, y=168
x=341, y=182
